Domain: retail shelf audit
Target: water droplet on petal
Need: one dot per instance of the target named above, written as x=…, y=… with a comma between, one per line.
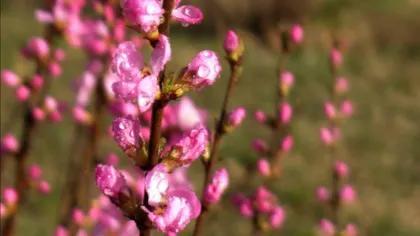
x=203, y=71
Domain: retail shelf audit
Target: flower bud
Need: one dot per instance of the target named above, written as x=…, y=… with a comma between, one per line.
x=287, y=143
x=327, y=136
x=37, y=82
x=259, y=145
x=143, y=13
x=286, y=113
x=296, y=34
x=217, y=186
x=347, y=194
x=276, y=217
x=326, y=228
x=109, y=180
x=54, y=69
x=10, y=196
x=341, y=85
x=233, y=46
x=336, y=58
x=81, y=116
x=260, y=116
x=10, y=79
x=44, y=187
x=263, y=167
x=341, y=169
x=351, y=230
x=235, y=117
x=38, y=114
x=286, y=81
x=204, y=69
x=329, y=110
x=346, y=108
x=36, y=48
x=34, y=172
x=322, y=194
x=22, y=93
x=9, y=143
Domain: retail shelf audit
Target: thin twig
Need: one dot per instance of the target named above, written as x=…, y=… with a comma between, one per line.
x=218, y=134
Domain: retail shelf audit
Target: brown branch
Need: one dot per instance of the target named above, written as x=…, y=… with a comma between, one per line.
x=157, y=114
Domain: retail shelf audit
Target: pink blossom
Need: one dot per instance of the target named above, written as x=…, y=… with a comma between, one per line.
x=50, y=104
x=190, y=147
x=36, y=47
x=61, y=231
x=188, y=115
x=54, y=69
x=336, y=58
x=127, y=61
x=326, y=227
x=217, y=186
x=9, y=143
x=144, y=13
x=341, y=169
x=38, y=114
x=157, y=184
x=80, y=115
x=34, y=172
x=322, y=194
x=55, y=116
x=296, y=33
x=10, y=79
x=204, y=68
x=329, y=110
x=126, y=133
x=287, y=143
x=286, y=112
x=22, y=93
x=161, y=54
x=147, y=90
x=109, y=180
x=3, y=211
x=44, y=187
x=10, y=196
x=341, y=85
x=187, y=15
x=37, y=82
x=59, y=54
x=287, y=79
x=236, y=116
x=327, y=136
x=351, y=230
x=78, y=216
x=260, y=116
x=182, y=206
x=259, y=145
x=263, y=167
x=264, y=199
x=347, y=194
x=244, y=205
x=346, y=108
x=231, y=42
x=276, y=217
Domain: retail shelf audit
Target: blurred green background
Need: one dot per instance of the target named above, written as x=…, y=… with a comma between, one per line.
x=381, y=142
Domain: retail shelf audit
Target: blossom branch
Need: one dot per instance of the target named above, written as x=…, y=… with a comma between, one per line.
x=220, y=130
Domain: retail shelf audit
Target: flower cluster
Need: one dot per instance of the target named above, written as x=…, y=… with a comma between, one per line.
x=263, y=207
x=340, y=192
